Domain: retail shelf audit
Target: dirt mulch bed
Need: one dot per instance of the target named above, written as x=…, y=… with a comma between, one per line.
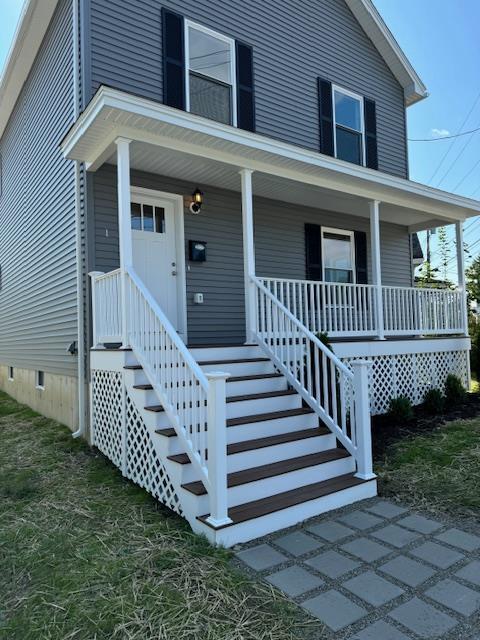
x=385, y=432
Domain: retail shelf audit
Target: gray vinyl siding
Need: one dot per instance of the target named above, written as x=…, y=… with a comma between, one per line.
x=279, y=242
x=37, y=213
x=294, y=42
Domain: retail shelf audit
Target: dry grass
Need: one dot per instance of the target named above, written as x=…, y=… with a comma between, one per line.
x=438, y=471
x=85, y=554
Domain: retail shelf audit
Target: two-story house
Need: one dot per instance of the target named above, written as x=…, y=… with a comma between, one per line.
x=191, y=192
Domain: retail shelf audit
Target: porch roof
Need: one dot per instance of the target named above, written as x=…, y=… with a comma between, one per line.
x=178, y=144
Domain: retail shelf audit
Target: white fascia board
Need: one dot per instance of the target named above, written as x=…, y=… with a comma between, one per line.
x=108, y=100
x=32, y=26
x=372, y=348
x=374, y=26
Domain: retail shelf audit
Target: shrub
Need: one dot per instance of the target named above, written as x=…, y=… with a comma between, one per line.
x=474, y=330
x=400, y=409
x=454, y=390
x=325, y=340
x=434, y=402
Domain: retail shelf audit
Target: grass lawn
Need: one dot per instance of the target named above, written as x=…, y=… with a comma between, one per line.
x=85, y=554
x=438, y=471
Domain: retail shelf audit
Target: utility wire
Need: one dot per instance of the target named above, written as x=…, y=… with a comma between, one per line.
x=450, y=146
x=468, y=174
x=456, y=135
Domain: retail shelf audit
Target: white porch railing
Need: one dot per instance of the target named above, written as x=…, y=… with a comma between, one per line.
x=194, y=402
x=338, y=396
x=348, y=310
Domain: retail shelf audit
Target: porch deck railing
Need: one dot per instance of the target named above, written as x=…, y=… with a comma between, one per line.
x=194, y=402
x=348, y=310
x=338, y=396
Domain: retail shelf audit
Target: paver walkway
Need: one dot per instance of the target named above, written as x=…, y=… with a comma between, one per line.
x=377, y=571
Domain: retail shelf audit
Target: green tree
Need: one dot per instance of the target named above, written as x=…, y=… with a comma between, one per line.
x=444, y=252
x=472, y=277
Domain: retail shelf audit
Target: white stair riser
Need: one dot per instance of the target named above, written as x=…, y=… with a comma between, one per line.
x=278, y=520
x=265, y=428
x=226, y=353
x=284, y=482
x=262, y=385
x=242, y=408
x=241, y=368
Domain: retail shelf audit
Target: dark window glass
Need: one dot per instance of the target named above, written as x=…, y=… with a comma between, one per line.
x=349, y=145
x=210, y=99
x=136, y=210
x=147, y=217
x=159, y=220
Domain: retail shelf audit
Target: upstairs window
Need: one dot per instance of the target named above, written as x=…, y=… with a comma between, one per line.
x=210, y=74
x=349, y=127
x=338, y=251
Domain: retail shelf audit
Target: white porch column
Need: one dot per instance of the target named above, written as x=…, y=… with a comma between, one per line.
x=124, y=225
x=461, y=274
x=376, y=265
x=248, y=253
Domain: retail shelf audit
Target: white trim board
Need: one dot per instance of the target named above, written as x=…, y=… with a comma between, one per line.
x=373, y=348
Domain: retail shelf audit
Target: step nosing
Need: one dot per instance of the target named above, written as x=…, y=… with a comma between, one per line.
x=262, y=396
x=264, y=472
x=287, y=499
x=233, y=361
x=272, y=415
x=257, y=376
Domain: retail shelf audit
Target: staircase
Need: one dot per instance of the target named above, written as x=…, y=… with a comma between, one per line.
x=283, y=466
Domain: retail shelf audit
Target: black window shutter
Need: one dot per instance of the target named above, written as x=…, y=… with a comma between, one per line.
x=325, y=110
x=313, y=252
x=173, y=59
x=370, y=133
x=361, y=257
x=245, y=87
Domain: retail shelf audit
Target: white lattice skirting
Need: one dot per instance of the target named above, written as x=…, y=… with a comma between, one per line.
x=411, y=375
x=119, y=432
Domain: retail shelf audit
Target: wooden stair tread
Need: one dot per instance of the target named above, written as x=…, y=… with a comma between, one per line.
x=133, y=367
x=262, y=396
x=236, y=361
x=156, y=408
x=272, y=415
x=261, y=443
x=220, y=346
x=257, y=376
x=270, y=470
x=143, y=387
x=167, y=432
x=265, y=506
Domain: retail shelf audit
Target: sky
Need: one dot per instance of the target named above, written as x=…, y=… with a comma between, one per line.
x=440, y=38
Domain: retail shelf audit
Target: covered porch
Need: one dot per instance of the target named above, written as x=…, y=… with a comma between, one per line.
x=141, y=136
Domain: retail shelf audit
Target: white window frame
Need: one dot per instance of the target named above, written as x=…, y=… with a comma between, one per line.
x=340, y=232
x=231, y=42
x=359, y=98
x=39, y=386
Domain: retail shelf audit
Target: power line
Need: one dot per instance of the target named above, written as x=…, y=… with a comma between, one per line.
x=456, y=135
x=468, y=174
x=452, y=143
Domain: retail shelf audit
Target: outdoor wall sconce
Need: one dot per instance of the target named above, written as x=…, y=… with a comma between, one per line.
x=197, y=201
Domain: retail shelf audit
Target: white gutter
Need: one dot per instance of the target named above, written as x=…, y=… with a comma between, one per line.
x=78, y=234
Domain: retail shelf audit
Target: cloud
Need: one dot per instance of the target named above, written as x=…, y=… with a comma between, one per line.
x=440, y=133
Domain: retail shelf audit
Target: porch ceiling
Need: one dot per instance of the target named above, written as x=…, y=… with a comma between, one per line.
x=177, y=144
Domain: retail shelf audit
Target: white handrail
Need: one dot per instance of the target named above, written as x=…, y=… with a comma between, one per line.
x=339, y=397
x=106, y=306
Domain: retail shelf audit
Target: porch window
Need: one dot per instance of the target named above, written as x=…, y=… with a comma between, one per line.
x=210, y=74
x=338, y=253
x=349, y=127
x=146, y=217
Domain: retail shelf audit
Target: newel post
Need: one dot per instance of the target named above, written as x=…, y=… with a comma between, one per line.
x=124, y=226
x=376, y=266
x=93, y=277
x=362, y=419
x=217, y=448
x=461, y=274
x=248, y=253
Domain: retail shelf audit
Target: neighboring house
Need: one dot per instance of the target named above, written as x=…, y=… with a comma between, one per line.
x=233, y=177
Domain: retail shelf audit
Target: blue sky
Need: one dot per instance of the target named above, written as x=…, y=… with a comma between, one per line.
x=440, y=37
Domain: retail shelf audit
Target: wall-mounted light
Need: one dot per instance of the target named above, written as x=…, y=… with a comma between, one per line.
x=197, y=201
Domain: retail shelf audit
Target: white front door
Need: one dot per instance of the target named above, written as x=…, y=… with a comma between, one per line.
x=154, y=251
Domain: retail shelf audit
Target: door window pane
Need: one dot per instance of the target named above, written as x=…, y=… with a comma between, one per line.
x=209, y=56
x=347, y=111
x=349, y=145
x=147, y=217
x=337, y=257
x=159, y=220
x=136, y=212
